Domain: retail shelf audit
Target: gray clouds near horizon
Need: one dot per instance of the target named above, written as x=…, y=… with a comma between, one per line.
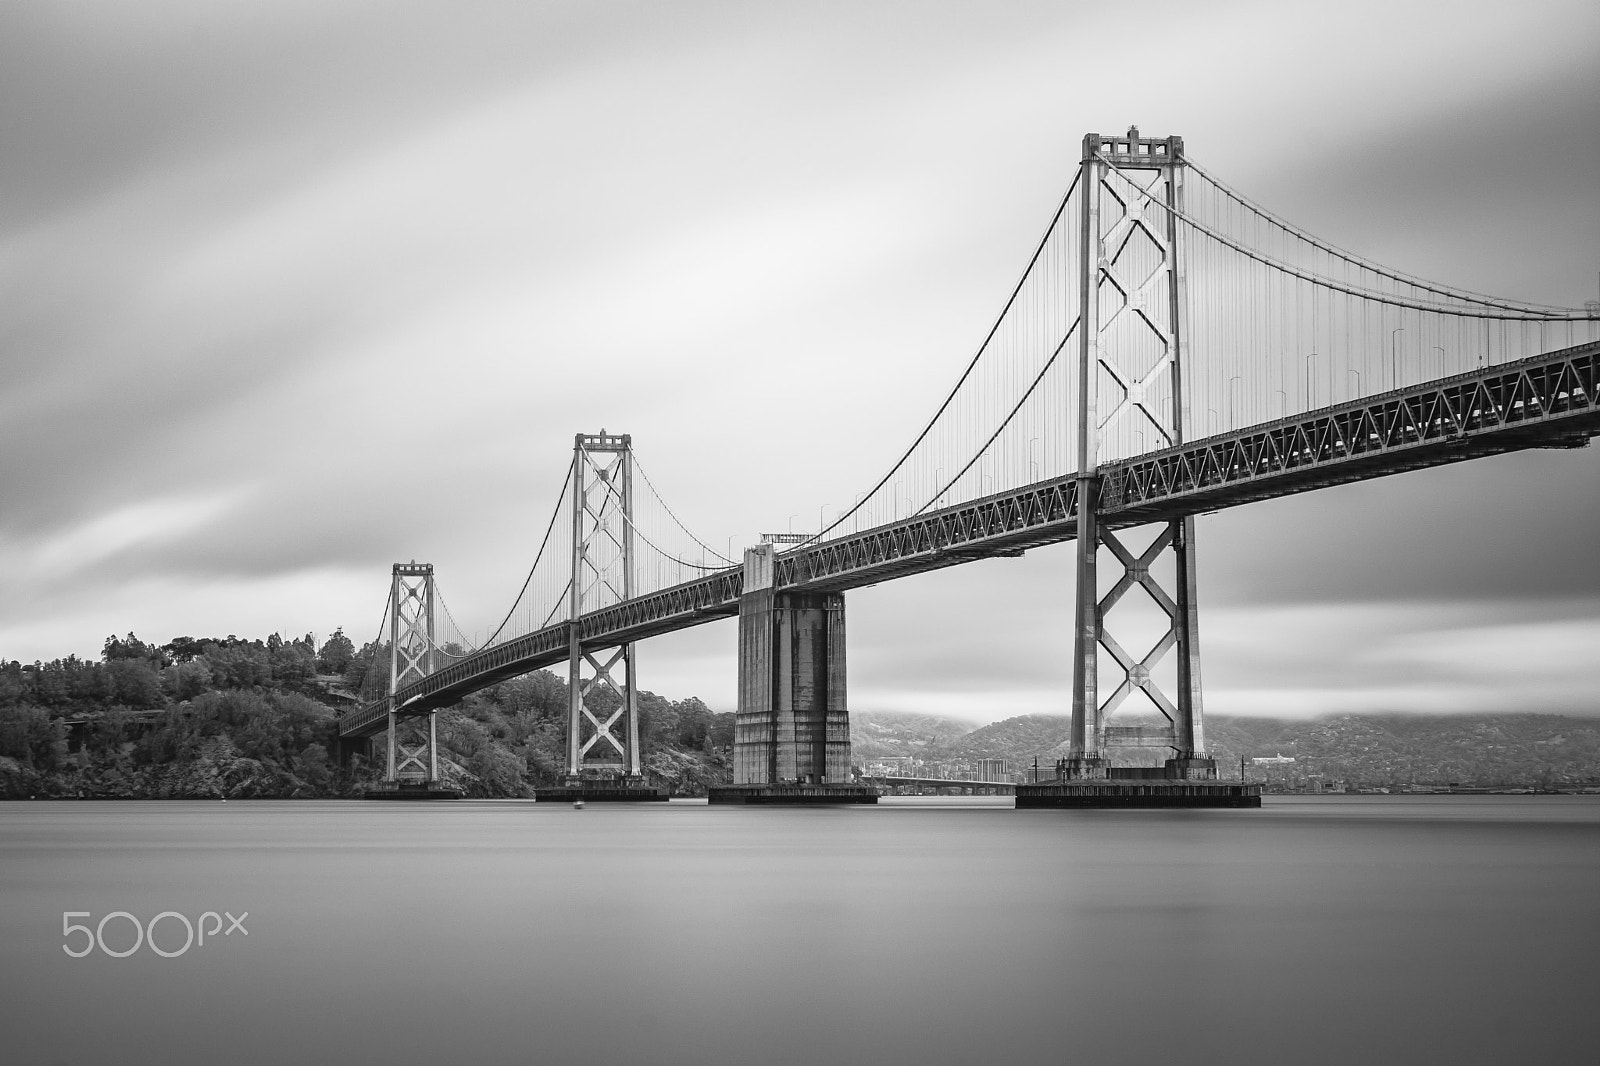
x=295, y=290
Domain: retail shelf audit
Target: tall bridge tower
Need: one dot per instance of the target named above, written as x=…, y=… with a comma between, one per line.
x=413, y=740
x=603, y=708
x=1130, y=367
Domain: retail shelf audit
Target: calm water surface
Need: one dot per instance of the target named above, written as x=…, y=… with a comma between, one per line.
x=1320, y=930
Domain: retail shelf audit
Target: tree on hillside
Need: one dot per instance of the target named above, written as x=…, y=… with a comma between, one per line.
x=183, y=649
x=336, y=653
x=131, y=648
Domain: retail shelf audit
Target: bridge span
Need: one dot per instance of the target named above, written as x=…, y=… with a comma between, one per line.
x=1544, y=401
x=1158, y=300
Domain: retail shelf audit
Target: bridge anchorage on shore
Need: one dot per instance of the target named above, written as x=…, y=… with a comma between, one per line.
x=1172, y=348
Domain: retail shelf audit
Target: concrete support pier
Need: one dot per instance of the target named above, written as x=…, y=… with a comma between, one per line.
x=791, y=741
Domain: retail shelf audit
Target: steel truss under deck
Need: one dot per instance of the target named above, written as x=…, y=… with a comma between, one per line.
x=1544, y=401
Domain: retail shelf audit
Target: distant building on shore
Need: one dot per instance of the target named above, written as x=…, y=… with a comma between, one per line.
x=992, y=770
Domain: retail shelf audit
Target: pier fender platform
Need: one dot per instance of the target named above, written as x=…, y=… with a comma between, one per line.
x=411, y=792
x=1112, y=794
x=600, y=792
x=792, y=794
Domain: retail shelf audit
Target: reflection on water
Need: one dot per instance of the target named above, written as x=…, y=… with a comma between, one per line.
x=1340, y=930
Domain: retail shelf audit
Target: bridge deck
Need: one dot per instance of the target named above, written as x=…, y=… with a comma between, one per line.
x=1541, y=402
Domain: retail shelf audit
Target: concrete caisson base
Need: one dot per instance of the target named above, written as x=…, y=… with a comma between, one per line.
x=411, y=792
x=597, y=792
x=792, y=794
x=1138, y=794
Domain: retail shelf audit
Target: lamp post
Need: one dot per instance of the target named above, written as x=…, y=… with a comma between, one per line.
x=1309, y=358
x=1232, y=420
x=1033, y=466
x=1440, y=350
x=1394, y=357
x=1357, y=373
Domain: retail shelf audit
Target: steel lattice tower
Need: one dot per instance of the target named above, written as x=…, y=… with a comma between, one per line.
x=1131, y=348
x=602, y=573
x=413, y=746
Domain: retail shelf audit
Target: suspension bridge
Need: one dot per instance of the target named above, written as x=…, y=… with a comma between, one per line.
x=1171, y=348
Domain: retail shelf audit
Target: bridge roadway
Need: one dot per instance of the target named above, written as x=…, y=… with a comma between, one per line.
x=1544, y=401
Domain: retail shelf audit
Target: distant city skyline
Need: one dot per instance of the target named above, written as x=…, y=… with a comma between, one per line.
x=295, y=291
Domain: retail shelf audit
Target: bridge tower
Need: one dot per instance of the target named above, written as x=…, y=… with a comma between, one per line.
x=602, y=735
x=413, y=740
x=1131, y=366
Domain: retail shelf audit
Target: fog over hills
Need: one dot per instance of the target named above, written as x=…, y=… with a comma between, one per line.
x=1376, y=749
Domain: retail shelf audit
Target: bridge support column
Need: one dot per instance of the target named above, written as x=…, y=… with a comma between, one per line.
x=603, y=757
x=1132, y=330
x=792, y=731
x=411, y=740
x=1133, y=319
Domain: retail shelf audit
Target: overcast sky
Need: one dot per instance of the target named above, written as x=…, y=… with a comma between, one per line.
x=294, y=290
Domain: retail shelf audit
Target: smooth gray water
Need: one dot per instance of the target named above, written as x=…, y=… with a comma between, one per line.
x=1338, y=930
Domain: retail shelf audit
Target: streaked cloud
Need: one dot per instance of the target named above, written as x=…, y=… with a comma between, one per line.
x=116, y=532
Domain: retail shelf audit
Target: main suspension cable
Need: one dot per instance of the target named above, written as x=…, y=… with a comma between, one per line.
x=1001, y=428
x=1357, y=260
x=562, y=495
x=1519, y=314
x=965, y=374
x=662, y=500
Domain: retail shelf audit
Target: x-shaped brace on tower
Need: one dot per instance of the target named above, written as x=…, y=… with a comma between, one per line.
x=602, y=730
x=1147, y=300
x=1136, y=571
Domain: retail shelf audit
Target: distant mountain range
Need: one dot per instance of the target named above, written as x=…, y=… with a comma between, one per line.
x=1394, y=749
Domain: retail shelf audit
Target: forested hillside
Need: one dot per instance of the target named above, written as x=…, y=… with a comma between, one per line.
x=229, y=717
